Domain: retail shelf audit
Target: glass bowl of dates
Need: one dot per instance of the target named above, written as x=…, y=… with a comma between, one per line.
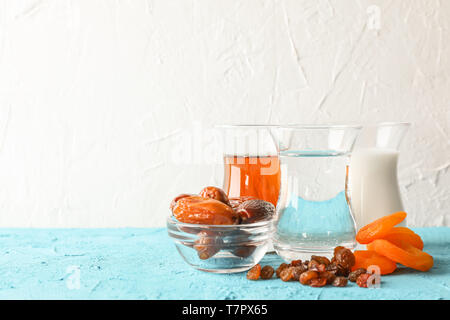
x=216, y=234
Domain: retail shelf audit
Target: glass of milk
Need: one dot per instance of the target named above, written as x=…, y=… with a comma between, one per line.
x=373, y=182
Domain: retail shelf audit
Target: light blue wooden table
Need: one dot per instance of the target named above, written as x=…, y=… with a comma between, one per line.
x=144, y=264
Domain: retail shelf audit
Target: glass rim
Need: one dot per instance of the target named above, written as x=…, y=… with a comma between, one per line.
x=388, y=124
x=321, y=126
x=246, y=125
x=173, y=221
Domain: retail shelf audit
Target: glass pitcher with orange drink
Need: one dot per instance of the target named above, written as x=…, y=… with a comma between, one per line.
x=251, y=164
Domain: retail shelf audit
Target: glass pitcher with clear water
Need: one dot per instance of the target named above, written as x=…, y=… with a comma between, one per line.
x=373, y=182
x=314, y=212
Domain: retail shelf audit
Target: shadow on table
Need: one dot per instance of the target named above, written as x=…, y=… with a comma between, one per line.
x=440, y=267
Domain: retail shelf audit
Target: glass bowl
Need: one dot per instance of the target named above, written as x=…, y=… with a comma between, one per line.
x=221, y=248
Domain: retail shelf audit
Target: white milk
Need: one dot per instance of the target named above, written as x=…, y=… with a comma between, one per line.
x=373, y=184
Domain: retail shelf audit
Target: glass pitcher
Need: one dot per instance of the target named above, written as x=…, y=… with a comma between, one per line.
x=373, y=180
x=314, y=211
x=251, y=164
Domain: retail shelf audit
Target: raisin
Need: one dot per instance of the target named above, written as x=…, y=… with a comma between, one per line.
x=355, y=274
x=327, y=275
x=344, y=257
x=281, y=268
x=338, y=270
x=296, y=263
x=316, y=266
x=321, y=260
x=297, y=272
x=318, y=282
x=287, y=274
x=305, y=264
x=333, y=268
x=321, y=268
x=267, y=272
x=340, y=282
x=307, y=276
x=254, y=273
x=312, y=265
x=362, y=280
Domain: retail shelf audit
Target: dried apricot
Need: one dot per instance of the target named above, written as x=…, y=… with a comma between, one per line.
x=200, y=210
x=255, y=210
x=366, y=258
x=405, y=253
x=254, y=273
x=398, y=234
x=379, y=228
x=215, y=193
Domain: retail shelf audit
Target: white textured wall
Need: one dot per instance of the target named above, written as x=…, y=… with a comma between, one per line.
x=94, y=95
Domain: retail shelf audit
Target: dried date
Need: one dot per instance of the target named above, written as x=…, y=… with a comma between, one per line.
x=255, y=210
x=200, y=210
x=215, y=193
x=207, y=244
x=236, y=201
x=180, y=196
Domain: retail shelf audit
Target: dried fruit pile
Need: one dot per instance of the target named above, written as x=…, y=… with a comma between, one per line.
x=388, y=245
x=212, y=207
x=317, y=272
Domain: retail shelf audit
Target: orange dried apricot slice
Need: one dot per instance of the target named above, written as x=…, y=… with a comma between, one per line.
x=398, y=234
x=366, y=258
x=406, y=254
x=379, y=228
